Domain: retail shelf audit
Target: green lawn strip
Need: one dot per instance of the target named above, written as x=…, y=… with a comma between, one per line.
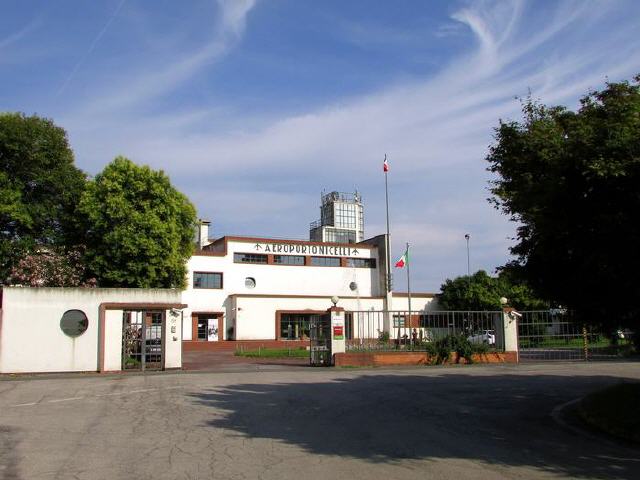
x=274, y=353
x=614, y=410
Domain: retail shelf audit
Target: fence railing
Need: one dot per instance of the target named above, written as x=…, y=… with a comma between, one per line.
x=365, y=330
x=558, y=335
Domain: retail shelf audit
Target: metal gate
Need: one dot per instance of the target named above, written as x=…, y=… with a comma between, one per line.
x=557, y=335
x=142, y=340
x=320, y=341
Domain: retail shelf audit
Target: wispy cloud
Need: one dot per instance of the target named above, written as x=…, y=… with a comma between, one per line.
x=155, y=80
x=91, y=48
x=436, y=130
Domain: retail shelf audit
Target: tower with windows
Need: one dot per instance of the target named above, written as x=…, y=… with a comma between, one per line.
x=341, y=219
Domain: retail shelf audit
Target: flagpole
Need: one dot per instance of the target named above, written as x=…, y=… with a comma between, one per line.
x=388, y=252
x=409, y=291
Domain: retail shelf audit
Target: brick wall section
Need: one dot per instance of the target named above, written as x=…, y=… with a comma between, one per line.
x=362, y=359
x=232, y=345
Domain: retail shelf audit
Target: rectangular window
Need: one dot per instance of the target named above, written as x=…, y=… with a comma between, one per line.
x=249, y=258
x=295, y=326
x=325, y=261
x=361, y=262
x=207, y=280
x=288, y=259
x=399, y=320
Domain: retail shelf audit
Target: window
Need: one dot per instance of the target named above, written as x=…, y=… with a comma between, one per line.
x=398, y=320
x=325, y=261
x=295, y=326
x=361, y=262
x=74, y=323
x=288, y=259
x=207, y=280
x=249, y=258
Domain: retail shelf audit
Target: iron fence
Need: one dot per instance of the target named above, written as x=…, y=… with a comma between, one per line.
x=388, y=330
x=558, y=335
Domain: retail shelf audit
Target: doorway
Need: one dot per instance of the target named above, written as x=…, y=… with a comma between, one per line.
x=143, y=340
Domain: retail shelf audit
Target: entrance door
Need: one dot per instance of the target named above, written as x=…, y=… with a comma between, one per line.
x=142, y=340
x=320, y=340
x=207, y=327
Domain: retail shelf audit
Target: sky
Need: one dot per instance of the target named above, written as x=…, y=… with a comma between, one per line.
x=254, y=108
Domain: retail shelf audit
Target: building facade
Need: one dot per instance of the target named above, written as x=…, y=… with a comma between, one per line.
x=247, y=288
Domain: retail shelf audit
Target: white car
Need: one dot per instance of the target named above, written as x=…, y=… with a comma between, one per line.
x=486, y=336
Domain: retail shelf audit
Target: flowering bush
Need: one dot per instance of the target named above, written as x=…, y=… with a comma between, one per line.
x=50, y=268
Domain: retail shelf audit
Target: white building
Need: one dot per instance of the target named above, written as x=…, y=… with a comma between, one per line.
x=246, y=288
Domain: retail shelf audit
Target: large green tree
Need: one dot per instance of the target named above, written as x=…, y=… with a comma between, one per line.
x=483, y=292
x=140, y=229
x=39, y=188
x=572, y=182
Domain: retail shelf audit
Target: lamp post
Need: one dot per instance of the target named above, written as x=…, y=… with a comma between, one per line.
x=467, y=237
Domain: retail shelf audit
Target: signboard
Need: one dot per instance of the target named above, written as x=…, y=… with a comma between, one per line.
x=337, y=324
x=212, y=329
x=338, y=332
x=301, y=249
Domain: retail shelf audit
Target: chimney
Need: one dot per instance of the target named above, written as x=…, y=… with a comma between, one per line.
x=203, y=234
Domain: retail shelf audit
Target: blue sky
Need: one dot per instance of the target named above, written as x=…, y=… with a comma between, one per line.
x=254, y=107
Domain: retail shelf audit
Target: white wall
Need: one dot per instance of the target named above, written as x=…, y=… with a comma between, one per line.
x=31, y=339
x=113, y=340
x=419, y=302
x=256, y=316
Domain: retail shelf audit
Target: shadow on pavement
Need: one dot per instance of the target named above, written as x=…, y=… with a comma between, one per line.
x=497, y=419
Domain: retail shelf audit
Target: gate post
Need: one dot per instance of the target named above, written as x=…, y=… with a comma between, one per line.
x=510, y=324
x=336, y=315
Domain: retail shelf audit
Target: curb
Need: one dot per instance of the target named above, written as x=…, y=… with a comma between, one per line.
x=557, y=414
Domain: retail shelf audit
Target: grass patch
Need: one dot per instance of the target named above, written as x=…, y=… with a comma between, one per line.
x=614, y=410
x=274, y=353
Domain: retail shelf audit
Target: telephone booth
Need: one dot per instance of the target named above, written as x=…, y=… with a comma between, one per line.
x=320, y=340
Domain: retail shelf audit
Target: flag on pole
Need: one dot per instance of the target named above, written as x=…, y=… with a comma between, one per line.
x=404, y=259
x=385, y=165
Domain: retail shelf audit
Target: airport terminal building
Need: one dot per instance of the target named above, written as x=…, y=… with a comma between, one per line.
x=251, y=288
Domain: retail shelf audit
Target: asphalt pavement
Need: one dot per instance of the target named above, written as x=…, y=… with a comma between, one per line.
x=281, y=422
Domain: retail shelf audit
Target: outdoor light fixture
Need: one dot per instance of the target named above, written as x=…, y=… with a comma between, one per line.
x=335, y=300
x=503, y=301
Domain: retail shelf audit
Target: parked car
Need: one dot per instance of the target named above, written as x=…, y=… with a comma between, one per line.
x=485, y=336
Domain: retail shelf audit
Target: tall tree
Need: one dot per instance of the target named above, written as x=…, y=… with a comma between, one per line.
x=571, y=180
x=140, y=229
x=480, y=291
x=39, y=188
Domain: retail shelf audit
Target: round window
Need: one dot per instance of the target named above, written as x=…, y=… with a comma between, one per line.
x=353, y=286
x=74, y=323
x=250, y=282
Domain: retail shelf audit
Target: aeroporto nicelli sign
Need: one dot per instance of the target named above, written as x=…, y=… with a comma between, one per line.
x=298, y=249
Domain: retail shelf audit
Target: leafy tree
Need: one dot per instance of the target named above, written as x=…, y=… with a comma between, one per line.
x=483, y=292
x=39, y=188
x=139, y=227
x=570, y=179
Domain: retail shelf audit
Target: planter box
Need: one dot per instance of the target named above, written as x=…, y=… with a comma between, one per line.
x=363, y=359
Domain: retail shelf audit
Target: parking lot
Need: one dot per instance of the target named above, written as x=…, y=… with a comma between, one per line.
x=291, y=422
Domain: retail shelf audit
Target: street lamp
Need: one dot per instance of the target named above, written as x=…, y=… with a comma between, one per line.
x=467, y=237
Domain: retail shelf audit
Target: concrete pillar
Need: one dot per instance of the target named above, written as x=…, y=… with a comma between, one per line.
x=510, y=321
x=338, y=344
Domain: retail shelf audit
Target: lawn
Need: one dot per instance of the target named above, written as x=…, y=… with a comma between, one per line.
x=274, y=353
x=614, y=410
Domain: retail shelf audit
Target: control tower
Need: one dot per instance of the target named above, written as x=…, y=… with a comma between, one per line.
x=341, y=219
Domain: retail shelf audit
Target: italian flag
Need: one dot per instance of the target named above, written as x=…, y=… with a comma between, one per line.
x=404, y=259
